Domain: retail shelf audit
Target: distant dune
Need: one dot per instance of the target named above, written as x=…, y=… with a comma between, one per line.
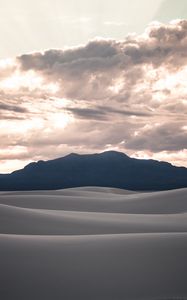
x=93, y=244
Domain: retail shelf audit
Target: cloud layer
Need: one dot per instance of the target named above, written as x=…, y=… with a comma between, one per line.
x=129, y=95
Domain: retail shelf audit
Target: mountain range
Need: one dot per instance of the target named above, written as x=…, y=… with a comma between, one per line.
x=107, y=169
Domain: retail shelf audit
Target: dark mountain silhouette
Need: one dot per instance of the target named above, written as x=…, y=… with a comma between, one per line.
x=108, y=169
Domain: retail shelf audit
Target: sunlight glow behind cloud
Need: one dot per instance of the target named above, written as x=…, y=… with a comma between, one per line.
x=128, y=95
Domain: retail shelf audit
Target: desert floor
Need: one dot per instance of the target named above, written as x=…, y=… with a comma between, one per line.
x=93, y=244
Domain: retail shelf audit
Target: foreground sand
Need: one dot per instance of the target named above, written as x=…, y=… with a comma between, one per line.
x=93, y=244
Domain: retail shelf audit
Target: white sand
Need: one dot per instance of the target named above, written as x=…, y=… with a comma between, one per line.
x=93, y=244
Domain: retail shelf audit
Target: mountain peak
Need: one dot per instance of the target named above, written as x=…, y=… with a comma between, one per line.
x=107, y=169
x=109, y=154
x=114, y=154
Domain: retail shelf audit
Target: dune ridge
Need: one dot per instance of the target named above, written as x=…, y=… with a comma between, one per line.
x=93, y=243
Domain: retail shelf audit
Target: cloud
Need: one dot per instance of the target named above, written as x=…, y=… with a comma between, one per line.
x=161, y=137
x=87, y=72
x=88, y=113
x=124, y=94
x=103, y=113
x=160, y=44
x=13, y=108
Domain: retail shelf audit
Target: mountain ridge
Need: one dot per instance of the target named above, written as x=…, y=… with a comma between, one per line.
x=109, y=169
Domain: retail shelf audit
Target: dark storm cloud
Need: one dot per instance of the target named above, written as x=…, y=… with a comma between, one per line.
x=13, y=108
x=165, y=137
x=88, y=113
x=103, y=113
x=127, y=112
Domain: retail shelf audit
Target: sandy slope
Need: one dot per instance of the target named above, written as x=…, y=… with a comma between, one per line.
x=93, y=244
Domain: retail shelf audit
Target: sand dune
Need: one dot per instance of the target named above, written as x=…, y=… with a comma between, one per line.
x=16, y=220
x=93, y=244
x=110, y=201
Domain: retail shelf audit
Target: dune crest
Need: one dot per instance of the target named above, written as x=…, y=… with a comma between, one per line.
x=93, y=243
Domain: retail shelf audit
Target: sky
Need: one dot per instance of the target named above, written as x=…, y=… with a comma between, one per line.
x=89, y=76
